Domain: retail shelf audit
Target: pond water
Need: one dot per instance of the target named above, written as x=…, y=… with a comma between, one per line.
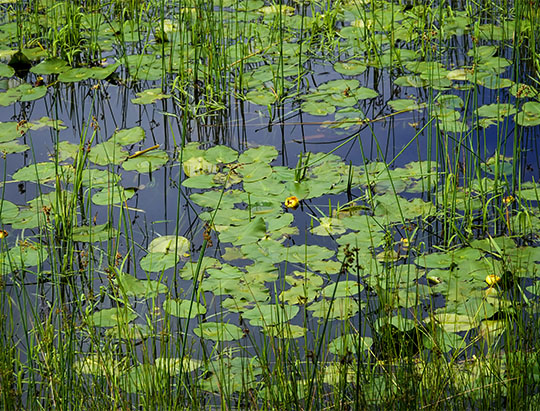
x=248, y=205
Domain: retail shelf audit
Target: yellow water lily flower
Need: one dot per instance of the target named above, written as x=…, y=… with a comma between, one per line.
x=292, y=202
x=492, y=279
x=3, y=234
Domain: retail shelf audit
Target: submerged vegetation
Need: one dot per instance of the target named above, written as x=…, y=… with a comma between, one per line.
x=257, y=205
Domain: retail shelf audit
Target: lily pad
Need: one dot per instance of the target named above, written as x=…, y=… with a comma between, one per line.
x=133, y=287
x=183, y=308
x=350, y=67
x=147, y=162
x=113, y=195
x=149, y=96
x=52, y=65
x=128, y=136
x=218, y=331
x=111, y=317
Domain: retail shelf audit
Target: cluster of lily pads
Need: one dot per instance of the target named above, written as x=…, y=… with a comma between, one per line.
x=265, y=272
x=283, y=262
x=263, y=67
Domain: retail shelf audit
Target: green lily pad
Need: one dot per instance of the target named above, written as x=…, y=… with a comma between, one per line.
x=270, y=314
x=41, y=172
x=91, y=234
x=128, y=136
x=149, y=96
x=10, y=96
x=329, y=226
x=349, y=343
x=342, y=289
x=252, y=172
x=111, y=317
x=244, y=234
x=28, y=254
x=11, y=147
x=107, y=153
x=50, y=66
x=30, y=93
x=220, y=155
x=337, y=309
x=304, y=254
x=263, y=154
x=444, y=341
x=350, y=67
x=456, y=322
x=197, y=166
x=8, y=211
x=317, y=108
x=218, y=331
x=113, y=195
x=405, y=104
x=147, y=162
x=202, y=181
x=169, y=244
x=74, y=75
x=10, y=131
x=261, y=97
x=158, y=262
x=133, y=287
x=285, y=331
x=183, y=308
x=6, y=71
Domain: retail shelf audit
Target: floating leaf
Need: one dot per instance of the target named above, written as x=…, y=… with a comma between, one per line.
x=133, y=287
x=149, y=96
x=337, y=309
x=128, y=136
x=52, y=65
x=13, y=147
x=6, y=71
x=75, y=74
x=264, y=154
x=254, y=171
x=28, y=254
x=8, y=211
x=41, y=172
x=244, y=234
x=349, y=344
x=197, y=166
x=261, y=97
x=11, y=131
x=147, y=162
x=270, y=314
x=288, y=331
x=30, y=92
x=107, y=153
x=174, y=366
x=111, y=317
x=91, y=234
x=101, y=365
x=113, y=195
x=318, y=108
x=220, y=155
x=218, y=331
x=455, y=322
x=350, y=67
x=170, y=244
x=183, y=308
x=304, y=254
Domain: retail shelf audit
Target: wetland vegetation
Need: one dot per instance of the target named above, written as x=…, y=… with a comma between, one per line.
x=247, y=204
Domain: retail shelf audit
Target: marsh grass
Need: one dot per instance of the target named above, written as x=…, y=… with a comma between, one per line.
x=400, y=357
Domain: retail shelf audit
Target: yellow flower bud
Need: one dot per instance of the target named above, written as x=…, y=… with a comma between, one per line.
x=292, y=202
x=492, y=279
